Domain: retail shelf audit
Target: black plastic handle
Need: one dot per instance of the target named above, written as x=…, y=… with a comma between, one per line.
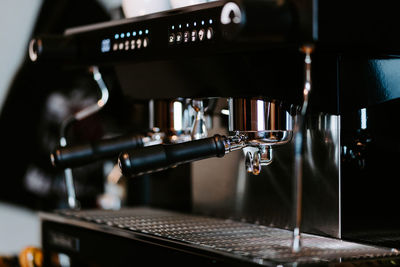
x=73, y=156
x=155, y=158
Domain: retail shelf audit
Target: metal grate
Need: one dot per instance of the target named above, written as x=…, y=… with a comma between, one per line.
x=255, y=242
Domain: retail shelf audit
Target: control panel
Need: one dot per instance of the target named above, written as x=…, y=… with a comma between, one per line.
x=204, y=29
x=158, y=35
x=126, y=41
x=151, y=37
x=191, y=32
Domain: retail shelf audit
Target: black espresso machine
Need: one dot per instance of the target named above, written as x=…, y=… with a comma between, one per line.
x=270, y=141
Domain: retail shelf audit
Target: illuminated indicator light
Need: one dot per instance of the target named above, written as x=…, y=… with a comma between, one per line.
x=140, y=32
x=116, y=36
x=202, y=22
x=210, y=21
x=187, y=25
x=122, y=35
x=128, y=34
x=146, y=31
x=133, y=33
x=195, y=24
x=173, y=27
x=180, y=26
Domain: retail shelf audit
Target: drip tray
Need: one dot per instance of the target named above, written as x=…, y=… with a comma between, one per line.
x=250, y=242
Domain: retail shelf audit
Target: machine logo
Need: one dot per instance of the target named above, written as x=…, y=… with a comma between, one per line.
x=64, y=241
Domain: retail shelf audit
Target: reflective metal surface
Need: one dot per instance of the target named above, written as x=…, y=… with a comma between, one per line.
x=254, y=243
x=171, y=117
x=224, y=189
x=199, y=128
x=262, y=121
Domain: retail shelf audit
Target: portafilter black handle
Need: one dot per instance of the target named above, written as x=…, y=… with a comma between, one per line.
x=74, y=156
x=159, y=157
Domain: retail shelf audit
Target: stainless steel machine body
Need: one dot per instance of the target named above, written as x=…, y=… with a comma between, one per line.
x=224, y=188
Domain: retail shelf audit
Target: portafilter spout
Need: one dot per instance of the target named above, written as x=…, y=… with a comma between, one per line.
x=265, y=124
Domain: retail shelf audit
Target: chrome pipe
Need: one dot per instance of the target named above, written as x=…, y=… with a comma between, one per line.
x=78, y=116
x=199, y=128
x=300, y=130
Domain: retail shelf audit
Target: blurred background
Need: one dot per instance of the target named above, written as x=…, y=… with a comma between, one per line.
x=34, y=101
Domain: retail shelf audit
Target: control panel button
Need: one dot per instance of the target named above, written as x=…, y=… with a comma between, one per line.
x=179, y=38
x=145, y=42
x=121, y=46
x=115, y=46
x=186, y=37
x=210, y=33
x=171, y=38
x=133, y=44
x=139, y=43
x=202, y=34
x=126, y=45
x=194, y=36
x=184, y=33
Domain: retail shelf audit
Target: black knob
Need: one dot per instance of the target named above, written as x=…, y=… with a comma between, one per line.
x=52, y=49
x=257, y=19
x=73, y=156
x=155, y=158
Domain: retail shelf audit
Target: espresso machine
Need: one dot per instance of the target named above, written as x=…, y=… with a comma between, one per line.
x=269, y=136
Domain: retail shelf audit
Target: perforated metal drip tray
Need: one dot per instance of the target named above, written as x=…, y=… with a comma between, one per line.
x=249, y=242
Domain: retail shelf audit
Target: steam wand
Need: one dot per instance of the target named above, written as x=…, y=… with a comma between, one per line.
x=299, y=130
x=80, y=115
